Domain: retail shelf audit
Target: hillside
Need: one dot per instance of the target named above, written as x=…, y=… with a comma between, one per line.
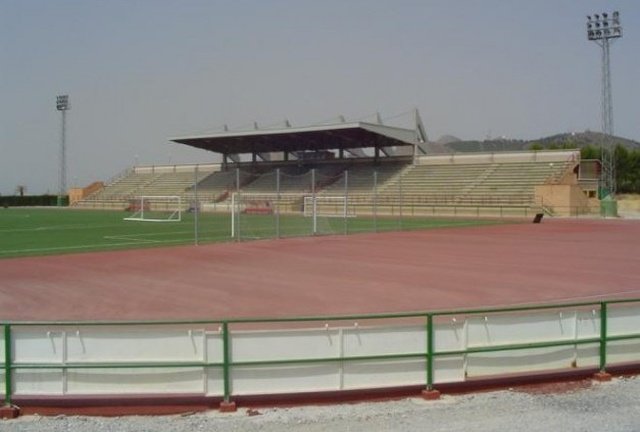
x=566, y=140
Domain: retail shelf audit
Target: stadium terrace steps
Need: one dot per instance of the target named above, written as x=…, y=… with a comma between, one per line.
x=360, y=179
x=220, y=183
x=292, y=179
x=171, y=183
x=505, y=183
x=477, y=181
x=142, y=182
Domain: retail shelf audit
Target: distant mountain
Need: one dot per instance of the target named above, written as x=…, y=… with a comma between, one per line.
x=584, y=139
x=447, y=139
x=450, y=144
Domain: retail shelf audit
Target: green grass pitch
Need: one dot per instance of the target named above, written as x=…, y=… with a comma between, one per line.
x=31, y=231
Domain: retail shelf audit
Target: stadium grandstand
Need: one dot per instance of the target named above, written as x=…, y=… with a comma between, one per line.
x=370, y=165
x=339, y=318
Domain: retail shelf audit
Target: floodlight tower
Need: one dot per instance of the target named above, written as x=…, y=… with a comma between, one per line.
x=62, y=105
x=603, y=30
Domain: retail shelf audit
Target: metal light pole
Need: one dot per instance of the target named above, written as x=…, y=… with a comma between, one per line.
x=603, y=29
x=62, y=105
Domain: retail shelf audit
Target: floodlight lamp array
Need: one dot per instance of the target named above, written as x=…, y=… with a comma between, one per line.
x=62, y=103
x=603, y=26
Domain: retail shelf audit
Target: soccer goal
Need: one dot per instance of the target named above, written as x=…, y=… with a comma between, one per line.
x=253, y=203
x=269, y=215
x=155, y=209
x=327, y=206
x=258, y=214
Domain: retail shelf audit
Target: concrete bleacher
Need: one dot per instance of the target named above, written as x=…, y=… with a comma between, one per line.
x=328, y=178
x=473, y=182
x=126, y=186
x=500, y=181
x=116, y=195
x=293, y=179
x=512, y=180
x=218, y=185
x=434, y=180
x=171, y=183
x=488, y=180
x=362, y=179
x=174, y=180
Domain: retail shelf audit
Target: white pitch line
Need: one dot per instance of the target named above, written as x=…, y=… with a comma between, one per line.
x=133, y=238
x=58, y=227
x=81, y=247
x=128, y=241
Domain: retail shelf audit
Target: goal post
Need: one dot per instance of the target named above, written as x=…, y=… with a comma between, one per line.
x=266, y=204
x=269, y=215
x=328, y=206
x=158, y=208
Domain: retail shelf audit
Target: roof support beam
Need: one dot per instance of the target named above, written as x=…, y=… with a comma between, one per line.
x=421, y=132
x=233, y=157
x=264, y=156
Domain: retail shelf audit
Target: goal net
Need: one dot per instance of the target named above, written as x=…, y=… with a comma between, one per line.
x=253, y=215
x=327, y=206
x=155, y=209
x=271, y=215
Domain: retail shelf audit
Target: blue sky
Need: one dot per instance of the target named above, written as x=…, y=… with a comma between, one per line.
x=140, y=71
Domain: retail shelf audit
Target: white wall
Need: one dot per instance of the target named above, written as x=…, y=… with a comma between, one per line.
x=187, y=358
x=501, y=157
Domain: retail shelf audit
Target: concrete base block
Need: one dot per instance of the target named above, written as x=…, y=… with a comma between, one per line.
x=432, y=394
x=9, y=411
x=602, y=376
x=227, y=407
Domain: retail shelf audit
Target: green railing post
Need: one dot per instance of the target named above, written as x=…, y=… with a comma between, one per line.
x=603, y=336
x=226, y=356
x=430, y=345
x=430, y=393
x=7, y=364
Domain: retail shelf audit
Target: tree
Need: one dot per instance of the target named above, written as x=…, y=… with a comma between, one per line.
x=627, y=169
x=21, y=190
x=590, y=152
x=627, y=164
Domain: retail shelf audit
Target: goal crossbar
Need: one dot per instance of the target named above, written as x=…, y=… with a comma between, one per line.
x=327, y=206
x=155, y=208
x=315, y=207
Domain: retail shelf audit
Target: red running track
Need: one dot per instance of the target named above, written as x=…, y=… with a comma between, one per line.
x=558, y=260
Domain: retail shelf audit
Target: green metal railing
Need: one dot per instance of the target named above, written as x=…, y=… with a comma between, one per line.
x=228, y=363
x=8, y=385
x=430, y=351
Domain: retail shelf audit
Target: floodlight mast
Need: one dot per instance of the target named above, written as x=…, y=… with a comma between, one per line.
x=603, y=30
x=62, y=105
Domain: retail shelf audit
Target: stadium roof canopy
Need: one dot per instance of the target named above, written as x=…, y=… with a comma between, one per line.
x=339, y=136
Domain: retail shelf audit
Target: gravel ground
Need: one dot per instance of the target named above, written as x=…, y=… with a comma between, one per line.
x=612, y=406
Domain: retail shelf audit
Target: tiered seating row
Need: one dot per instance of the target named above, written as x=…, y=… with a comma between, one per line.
x=477, y=183
x=500, y=183
x=361, y=180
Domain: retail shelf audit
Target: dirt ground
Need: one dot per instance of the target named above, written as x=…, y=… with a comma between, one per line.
x=629, y=205
x=611, y=407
